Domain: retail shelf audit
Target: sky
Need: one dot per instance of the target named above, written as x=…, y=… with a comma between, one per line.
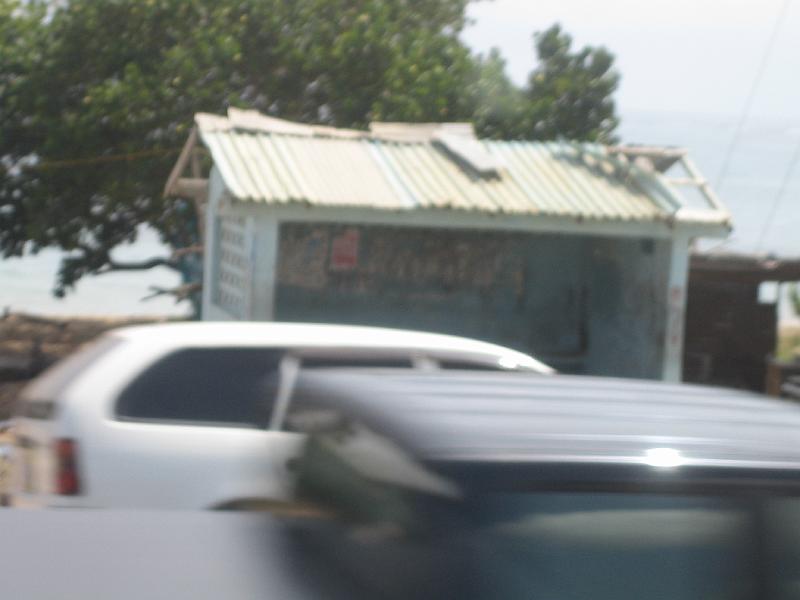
x=694, y=56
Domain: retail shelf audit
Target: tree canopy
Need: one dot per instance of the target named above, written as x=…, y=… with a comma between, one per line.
x=97, y=97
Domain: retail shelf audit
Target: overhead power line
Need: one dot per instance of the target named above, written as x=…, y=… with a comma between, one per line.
x=787, y=178
x=751, y=95
x=93, y=160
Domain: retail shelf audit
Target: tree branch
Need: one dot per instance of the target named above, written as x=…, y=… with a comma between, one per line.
x=182, y=292
x=141, y=265
x=179, y=252
x=160, y=261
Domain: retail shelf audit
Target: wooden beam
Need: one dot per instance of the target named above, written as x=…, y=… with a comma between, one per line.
x=705, y=187
x=196, y=164
x=453, y=219
x=743, y=268
x=180, y=165
x=662, y=157
x=190, y=187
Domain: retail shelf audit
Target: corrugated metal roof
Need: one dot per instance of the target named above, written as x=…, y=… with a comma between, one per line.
x=262, y=159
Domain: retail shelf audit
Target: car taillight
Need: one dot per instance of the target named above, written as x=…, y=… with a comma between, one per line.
x=67, y=481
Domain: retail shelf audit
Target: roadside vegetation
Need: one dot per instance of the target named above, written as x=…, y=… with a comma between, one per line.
x=788, y=342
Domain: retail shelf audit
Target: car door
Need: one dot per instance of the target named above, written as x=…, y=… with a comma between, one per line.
x=190, y=432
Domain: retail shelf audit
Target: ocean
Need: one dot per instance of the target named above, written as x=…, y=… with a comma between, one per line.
x=757, y=169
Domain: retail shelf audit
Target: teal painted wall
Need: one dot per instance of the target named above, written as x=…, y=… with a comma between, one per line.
x=549, y=295
x=627, y=306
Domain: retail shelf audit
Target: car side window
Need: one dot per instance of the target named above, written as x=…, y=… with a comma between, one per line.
x=208, y=385
x=463, y=365
x=377, y=361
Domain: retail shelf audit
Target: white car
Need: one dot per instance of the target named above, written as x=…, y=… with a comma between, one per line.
x=190, y=415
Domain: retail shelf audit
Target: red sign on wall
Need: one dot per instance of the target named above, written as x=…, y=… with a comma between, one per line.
x=344, y=251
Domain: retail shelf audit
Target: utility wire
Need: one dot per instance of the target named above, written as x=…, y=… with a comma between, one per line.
x=779, y=196
x=751, y=95
x=55, y=164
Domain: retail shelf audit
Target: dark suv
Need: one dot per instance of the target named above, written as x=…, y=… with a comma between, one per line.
x=483, y=485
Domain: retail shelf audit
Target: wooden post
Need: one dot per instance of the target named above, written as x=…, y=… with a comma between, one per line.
x=200, y=199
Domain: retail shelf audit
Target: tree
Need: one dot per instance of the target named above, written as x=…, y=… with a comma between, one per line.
x=97, y=96
x=570, y=94
x=499, y=106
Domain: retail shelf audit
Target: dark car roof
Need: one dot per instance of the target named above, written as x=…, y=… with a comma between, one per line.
x=514, y=417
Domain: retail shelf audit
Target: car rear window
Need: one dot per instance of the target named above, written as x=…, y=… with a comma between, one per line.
x=37, y=409
x=210, y=385
x=40, y=399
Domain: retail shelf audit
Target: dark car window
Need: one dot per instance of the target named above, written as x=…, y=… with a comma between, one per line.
x=781, y=518
x=212, y=385
x=576, y=546
x=614, y=546
x=463, y=365
x=387, y=362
